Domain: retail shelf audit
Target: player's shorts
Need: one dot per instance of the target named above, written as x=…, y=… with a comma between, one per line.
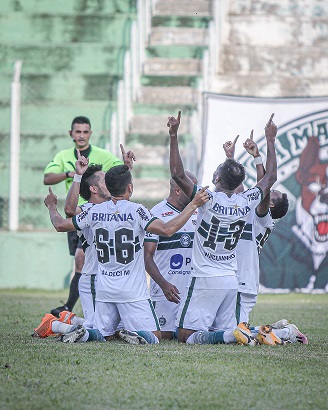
x=244, y=305
x=74, y=242
x=209, y=304
x=135, y=316
x=87, y=294
x=167, y=313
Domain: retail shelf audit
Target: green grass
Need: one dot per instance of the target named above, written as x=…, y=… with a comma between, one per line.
x=44, y=373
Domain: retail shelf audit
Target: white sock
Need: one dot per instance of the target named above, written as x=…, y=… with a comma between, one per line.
x=282, y=333
x=228, y=337
x=60, y=327
x=77, y=320
x=85, y=337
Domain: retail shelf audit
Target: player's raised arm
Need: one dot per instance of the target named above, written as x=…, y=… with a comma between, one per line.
x=61, y=224
x=169, y=228
x=270, y=176
x=176, y=166
x=72, y=197
x=128, y=157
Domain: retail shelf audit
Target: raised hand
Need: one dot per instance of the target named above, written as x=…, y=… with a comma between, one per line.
x=229, y=148
x=271, y=129
x=128, y=157
x=50, y=199
x=251, y=146
x=201, y=197
x=82, y=163
x=173, y=124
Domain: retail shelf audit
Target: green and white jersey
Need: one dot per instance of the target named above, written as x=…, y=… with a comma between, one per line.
x=65, y=161
x=220, y=223
x=256, y=233
x=90, y=266
x=118, y=231
x=172, y=255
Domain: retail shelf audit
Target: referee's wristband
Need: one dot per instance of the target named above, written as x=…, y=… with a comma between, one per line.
x=77, y=178
x=67, y=172
x=258, y=160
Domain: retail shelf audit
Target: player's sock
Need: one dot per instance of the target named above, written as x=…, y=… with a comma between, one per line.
x=175, y=334
x=60, y=327
x=206, y=338
x=282, y=333
x=73, y=291
x=228, y=337
x=94, y=335
x=148, y=336
x=77, y=320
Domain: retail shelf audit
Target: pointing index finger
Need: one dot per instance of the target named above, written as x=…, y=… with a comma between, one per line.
x=251, y=136
x=179, y=116
x=270, y=120
x=122, y=149
x=235, y=140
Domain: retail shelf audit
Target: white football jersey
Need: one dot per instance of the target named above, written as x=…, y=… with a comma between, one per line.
x=255, y=234
x=172, y=255
x=90, y=266
x=119, y=231
x=220, y=223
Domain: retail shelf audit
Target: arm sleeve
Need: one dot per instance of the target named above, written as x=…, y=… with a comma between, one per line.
x=56, y=166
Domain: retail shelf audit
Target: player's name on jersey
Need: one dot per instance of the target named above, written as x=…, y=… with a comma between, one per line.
x=102, y=217
x=231, y=210
x=123, y=272
x=219, y=257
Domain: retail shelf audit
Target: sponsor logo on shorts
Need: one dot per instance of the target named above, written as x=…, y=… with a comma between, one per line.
x=162, y=321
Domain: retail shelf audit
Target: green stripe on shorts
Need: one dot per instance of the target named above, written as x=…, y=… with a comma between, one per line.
x=154, y=314
x=185, y=308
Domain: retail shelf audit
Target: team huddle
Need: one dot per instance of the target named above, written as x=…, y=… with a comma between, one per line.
x=200, y=249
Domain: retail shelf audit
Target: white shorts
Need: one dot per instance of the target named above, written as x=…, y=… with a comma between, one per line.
x=244, y=305
x=167, y=314
x=87, y=293
x=210, y=304
x=135, y=316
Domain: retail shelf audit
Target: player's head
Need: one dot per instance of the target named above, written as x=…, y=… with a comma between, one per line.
x=229, y=175
x=278, y=204
x=176, y=193
x=80, y=120
x=119, y=180
x=93, y=182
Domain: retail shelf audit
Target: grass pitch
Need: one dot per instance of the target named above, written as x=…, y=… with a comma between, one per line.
x=43, y=373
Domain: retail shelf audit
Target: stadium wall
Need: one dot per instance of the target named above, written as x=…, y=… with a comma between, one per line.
x=34, y=260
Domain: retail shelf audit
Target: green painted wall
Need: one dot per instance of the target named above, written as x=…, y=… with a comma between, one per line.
x=34, y=260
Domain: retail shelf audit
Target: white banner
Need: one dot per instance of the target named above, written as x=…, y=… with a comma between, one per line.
x=296, y=255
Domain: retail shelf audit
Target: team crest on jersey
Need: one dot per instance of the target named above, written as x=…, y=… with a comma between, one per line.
x=162, y=321
x=185, y=240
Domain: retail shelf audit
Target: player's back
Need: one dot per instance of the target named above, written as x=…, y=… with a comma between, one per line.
x=219, y=226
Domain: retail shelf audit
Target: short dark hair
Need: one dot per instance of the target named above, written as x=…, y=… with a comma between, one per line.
x=280, y=207
x=231, y=174
x=117, y=179
x=80, y=120
x=89, y=178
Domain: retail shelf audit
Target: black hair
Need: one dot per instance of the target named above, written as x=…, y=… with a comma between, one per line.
x=231, y=174
x=80, y=120
x=280, y=207
x=89, y=178
x=117, y=179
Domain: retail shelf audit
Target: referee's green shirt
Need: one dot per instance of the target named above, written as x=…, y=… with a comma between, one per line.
x=65, y=161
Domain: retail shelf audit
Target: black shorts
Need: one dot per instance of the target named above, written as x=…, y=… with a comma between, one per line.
x=74, y=242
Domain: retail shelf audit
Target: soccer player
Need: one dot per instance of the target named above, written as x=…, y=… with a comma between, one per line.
x=62, y=168
x=213, y=285
x=170, y=258
x=119, y=228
